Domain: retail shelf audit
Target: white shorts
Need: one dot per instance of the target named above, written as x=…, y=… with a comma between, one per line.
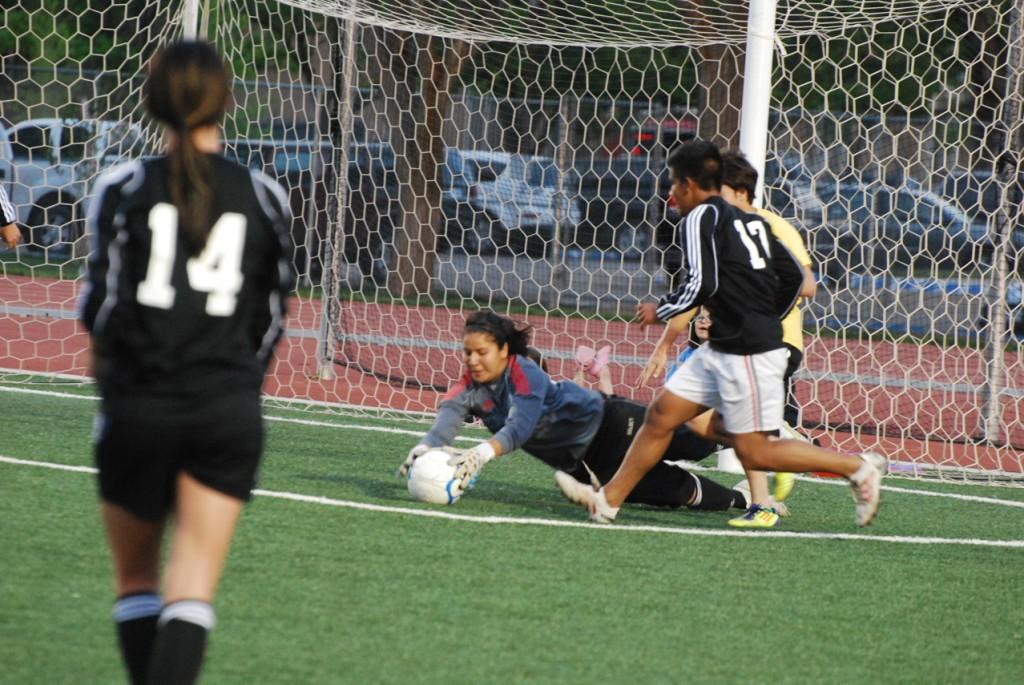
x=747, y=390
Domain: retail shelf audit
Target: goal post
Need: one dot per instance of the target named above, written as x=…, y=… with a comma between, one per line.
x=442, y=156
x=757, y=88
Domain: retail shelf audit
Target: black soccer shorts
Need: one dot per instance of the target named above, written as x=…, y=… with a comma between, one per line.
x=144, y=442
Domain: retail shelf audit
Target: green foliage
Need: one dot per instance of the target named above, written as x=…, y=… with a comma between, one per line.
x=92, y=34
x=266, y=37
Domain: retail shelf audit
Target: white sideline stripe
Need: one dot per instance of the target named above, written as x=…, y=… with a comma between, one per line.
x=304, y=422
x=556, y=523
x=926, y=493
x=49, y=393
x=355, y=426
x=47, y=465
x=88, y=380
x=962, y=498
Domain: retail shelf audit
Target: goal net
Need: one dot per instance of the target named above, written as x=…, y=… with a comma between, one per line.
x=442, y=156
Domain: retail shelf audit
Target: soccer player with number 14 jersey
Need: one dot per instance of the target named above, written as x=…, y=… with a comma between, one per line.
x=184, y=301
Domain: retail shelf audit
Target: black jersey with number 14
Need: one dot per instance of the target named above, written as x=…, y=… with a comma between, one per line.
x=165, y=322
x=735, y=267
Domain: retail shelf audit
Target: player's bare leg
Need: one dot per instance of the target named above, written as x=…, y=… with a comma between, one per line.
x=135, y=548
x=205, y=523
x=709, y=425
x=758, y=483
x=759, y=451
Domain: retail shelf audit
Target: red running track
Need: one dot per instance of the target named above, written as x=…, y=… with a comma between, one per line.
x=918, y=403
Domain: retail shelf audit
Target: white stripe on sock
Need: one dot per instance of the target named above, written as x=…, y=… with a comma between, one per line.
x=136, y=606
x=191, y=610
x=699, y=493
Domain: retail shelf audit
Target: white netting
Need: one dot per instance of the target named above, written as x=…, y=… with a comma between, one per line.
x=444, y=156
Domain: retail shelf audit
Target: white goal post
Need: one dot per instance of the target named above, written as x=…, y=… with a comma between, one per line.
x=446, y=155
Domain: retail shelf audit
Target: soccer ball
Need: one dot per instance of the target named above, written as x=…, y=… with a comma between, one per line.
x=432, y=480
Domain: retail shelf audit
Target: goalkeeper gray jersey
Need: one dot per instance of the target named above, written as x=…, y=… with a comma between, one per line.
x=552, y=421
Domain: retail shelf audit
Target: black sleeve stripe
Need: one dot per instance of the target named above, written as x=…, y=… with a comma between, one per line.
x=683, y=298
x=7, y=212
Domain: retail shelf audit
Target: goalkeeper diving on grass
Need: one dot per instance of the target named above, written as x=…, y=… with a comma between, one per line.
x=581, y=433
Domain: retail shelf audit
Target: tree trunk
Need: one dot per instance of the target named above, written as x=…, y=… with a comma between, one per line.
x=720, y=77
x=719, y=81
x=423, y=69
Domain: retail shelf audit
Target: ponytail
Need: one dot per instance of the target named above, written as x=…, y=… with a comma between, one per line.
x=188, y=183
x=189, y=86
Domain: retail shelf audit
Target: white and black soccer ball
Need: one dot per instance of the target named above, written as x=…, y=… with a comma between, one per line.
x=432, y=480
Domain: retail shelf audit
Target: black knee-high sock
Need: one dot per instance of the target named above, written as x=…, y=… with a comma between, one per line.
x=180, y=643
x=710, y=496
x=135, y=616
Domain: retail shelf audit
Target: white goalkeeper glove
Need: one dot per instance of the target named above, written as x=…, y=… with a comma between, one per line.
x=415, y=453
x=468, y=463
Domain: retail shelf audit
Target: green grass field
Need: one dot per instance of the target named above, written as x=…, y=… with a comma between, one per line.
x=362, y=587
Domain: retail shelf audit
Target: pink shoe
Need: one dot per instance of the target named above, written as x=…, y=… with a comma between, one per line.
x=584, y=357
x=601, y=359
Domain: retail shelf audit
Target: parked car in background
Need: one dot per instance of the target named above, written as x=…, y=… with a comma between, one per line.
x=48, y=165
x=980, y=193
x=874, y=224
x=467, y=225
x=509, y=203
x=304, y=165
x=616, y=203
x=531, y=200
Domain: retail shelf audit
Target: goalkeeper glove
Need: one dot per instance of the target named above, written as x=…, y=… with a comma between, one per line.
x=415, y=453
x=468, y=463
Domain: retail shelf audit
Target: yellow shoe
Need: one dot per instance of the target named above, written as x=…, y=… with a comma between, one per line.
x=784, y=483
x=756, y=517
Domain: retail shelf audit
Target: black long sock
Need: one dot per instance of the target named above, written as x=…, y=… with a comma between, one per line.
x=710, y=496
x=135, y=616
x=180, y=643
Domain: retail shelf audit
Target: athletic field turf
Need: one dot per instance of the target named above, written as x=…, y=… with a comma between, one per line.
x=337, y=577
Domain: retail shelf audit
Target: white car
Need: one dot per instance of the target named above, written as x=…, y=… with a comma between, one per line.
x=522, y=198
x=48, y=166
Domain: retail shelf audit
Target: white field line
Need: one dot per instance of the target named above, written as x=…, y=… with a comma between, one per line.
x=557, y=523
x=354, y=426
x=687, y=465
x=90, y=381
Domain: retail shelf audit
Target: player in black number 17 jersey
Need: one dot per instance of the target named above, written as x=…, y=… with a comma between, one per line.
x=719, y=237
x=740, y=272
x=184, y=302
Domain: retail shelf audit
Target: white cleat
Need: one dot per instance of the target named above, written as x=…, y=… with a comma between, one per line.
x=600, y=510
x=866, y=485
x=585, y=496
x=573, y=490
